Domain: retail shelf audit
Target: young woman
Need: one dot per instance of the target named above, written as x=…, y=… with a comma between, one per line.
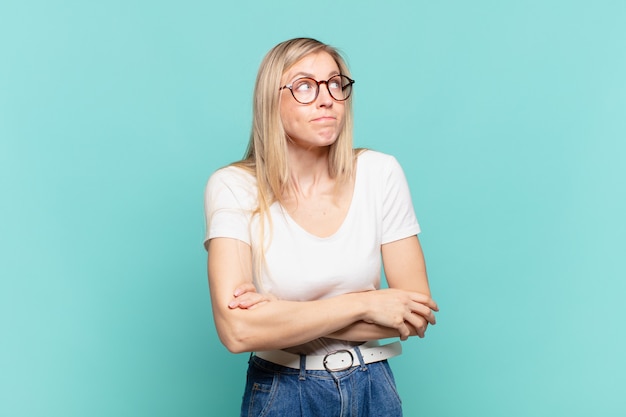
x=296, y=233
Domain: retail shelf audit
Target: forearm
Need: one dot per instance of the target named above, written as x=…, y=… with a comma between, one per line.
x=269, y=325
x=384, y=314
x=280, y=324
x=362, y=332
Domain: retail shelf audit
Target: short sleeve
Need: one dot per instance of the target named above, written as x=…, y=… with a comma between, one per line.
x=399, y=220
x=229, y=201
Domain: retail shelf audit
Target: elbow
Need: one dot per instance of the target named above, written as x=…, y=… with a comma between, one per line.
x=236, y=339
x=234, y=346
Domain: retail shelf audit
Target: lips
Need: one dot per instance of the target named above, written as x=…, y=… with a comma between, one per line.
x=324, y=119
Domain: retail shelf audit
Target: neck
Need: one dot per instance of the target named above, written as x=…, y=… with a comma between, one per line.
x=309, y=169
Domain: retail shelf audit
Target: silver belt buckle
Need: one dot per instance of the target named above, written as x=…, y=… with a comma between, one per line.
x=348, y=366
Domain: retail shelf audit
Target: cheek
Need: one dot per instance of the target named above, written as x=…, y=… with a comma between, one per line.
x=290, y=118
x=285, y=114
x=341, y=116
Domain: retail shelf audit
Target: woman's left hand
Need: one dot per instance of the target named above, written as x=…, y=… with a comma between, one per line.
x=246, y=297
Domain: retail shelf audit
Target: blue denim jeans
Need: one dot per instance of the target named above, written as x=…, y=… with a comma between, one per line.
x=367, y=390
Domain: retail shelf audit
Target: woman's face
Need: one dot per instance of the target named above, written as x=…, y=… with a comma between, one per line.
x=319, y=123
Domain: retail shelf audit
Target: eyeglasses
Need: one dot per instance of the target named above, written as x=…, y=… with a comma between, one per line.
x=305, y=90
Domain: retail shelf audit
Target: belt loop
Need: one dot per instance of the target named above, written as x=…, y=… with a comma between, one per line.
x=301, y=377
x=360, y=356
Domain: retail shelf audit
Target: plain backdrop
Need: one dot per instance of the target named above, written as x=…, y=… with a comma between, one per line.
x=509, y=118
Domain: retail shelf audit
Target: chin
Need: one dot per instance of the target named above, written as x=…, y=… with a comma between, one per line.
x=312, y=144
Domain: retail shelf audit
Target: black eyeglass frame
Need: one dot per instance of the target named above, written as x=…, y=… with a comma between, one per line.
x=317, y=91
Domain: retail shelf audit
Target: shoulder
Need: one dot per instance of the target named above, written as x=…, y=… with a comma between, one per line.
x=232, y=176
x=374, y=161
x=375, y=167
x=232, y=182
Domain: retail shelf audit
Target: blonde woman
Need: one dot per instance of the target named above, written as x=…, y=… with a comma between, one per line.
x=295, y=237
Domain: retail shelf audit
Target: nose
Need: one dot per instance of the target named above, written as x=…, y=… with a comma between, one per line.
x=324, y=99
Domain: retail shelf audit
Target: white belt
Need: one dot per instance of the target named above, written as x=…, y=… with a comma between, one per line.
x=339, y=360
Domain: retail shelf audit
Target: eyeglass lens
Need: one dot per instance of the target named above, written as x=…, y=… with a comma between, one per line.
x=305, y=90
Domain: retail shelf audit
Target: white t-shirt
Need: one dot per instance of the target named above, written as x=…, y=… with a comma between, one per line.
x=300, y=266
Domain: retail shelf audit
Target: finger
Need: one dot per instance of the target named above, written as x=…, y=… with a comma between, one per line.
x=244, y=288
x=416, y=330
x=252, y=307
x=248, y=300
x=245, y=305
x=423, y=311
x=404, y=332
x=426, y=300
x=241, y=301
x=418, y=324
x=421, y=330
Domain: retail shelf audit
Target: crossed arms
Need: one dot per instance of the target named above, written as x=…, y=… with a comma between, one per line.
x=248, y=321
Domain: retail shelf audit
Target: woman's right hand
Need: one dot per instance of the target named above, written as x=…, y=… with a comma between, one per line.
x=246, y=297
x=401, y=310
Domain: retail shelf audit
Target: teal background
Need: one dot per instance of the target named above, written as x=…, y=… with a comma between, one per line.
x=509, y=118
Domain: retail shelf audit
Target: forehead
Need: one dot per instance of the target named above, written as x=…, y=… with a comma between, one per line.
x=319, y=65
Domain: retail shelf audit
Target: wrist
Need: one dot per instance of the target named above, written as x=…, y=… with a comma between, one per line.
x=360, y=305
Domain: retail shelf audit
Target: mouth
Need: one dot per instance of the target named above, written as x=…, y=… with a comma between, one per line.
x=323, y=119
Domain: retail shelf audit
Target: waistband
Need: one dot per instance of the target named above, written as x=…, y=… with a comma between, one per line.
x=338, y=360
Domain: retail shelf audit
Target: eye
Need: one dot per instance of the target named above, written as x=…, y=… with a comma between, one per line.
x=303, y=85
x=334, y=83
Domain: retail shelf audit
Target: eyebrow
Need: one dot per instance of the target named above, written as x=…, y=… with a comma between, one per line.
x=302, y=74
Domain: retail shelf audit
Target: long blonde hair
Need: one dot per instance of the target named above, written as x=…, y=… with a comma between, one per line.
x=266, y=155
